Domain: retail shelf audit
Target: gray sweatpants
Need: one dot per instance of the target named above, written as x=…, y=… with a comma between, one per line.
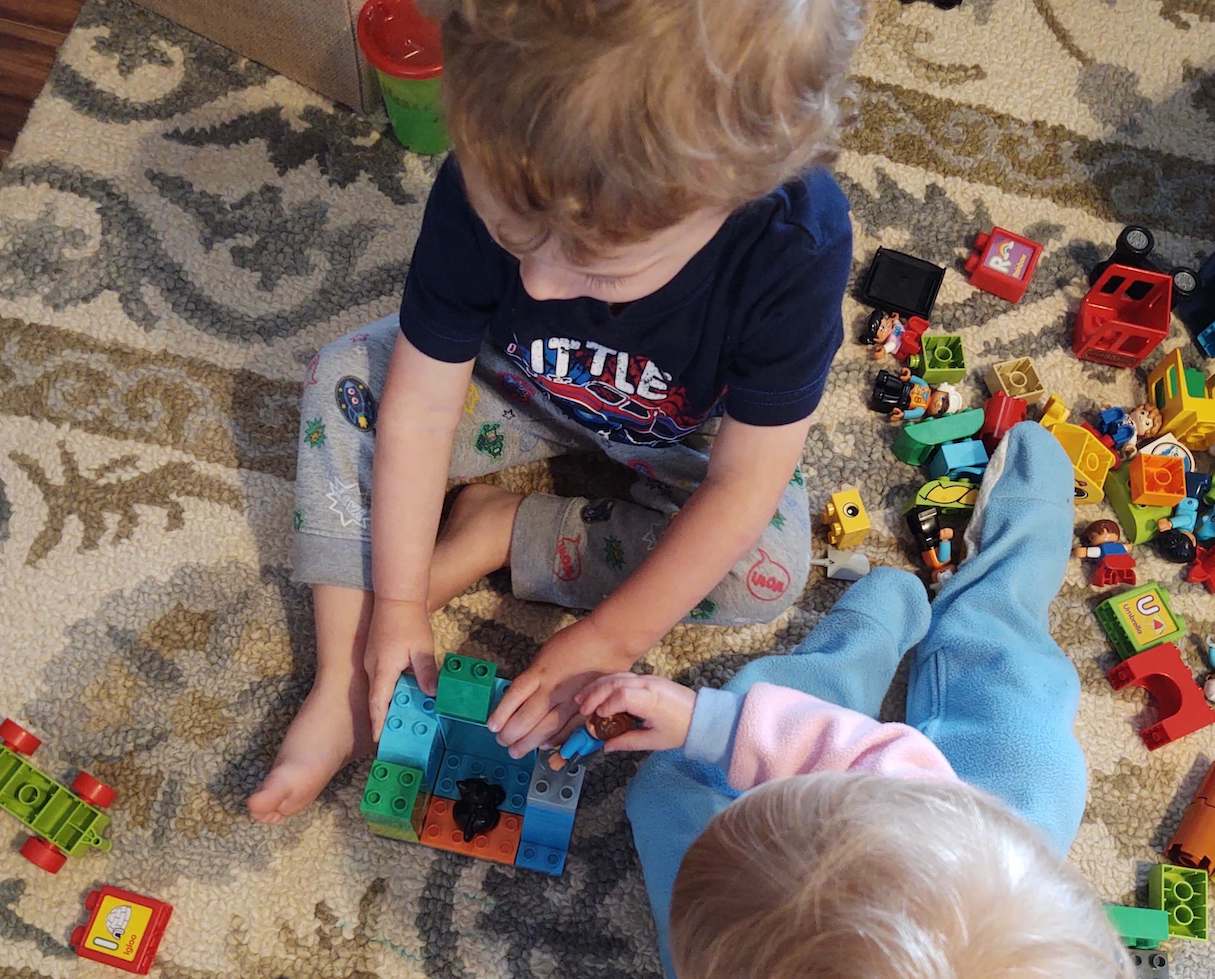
x=570, y=551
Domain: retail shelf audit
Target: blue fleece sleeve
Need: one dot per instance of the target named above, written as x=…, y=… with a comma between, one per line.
x=988, y=684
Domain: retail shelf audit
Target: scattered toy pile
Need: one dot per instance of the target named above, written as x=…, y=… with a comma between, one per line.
x=1141, y=461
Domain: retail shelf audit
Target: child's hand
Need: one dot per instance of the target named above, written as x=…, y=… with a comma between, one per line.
x=399, y=637
x=664, y=707
x=539, y=704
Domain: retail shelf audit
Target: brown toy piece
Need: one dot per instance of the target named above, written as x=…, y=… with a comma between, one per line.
x=606, y=728
x=1193, y=845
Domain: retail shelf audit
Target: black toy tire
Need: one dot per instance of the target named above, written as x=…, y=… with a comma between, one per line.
x=1185, y=283
x=1134, y=240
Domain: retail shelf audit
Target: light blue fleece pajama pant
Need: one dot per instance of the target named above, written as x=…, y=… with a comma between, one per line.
x=988, y=684
x=570, y=551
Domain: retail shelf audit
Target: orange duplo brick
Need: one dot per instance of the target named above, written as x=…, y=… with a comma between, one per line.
x=441, y=832
x=1157, y=480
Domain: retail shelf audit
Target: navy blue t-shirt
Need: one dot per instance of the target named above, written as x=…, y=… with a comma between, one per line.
x=749, y=325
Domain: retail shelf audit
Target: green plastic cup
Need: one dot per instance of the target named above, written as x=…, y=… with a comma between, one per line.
x=406, y=51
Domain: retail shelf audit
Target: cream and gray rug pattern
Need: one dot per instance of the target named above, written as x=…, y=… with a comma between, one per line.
x=181, y=229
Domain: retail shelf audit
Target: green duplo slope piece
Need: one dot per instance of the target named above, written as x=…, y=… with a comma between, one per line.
x=915, y=441
x=466, y=688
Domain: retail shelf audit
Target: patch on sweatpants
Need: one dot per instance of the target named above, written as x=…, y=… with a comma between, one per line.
x=356, y=403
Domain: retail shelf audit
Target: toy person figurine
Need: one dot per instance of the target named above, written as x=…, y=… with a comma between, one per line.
x=887, y=333
x=935, y=542
x=590, y=738
x=1129, y=428
x=1103, y=544
x=906, y=396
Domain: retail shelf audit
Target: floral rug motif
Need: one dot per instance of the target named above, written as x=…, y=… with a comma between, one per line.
x=181, y=229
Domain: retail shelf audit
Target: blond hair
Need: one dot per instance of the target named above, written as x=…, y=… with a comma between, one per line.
x=601, y=122
x=869, y=877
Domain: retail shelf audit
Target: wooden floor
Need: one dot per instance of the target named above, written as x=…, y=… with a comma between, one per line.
x=30, y=34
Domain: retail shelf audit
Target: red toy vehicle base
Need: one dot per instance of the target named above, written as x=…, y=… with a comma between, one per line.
x=124, y=929
x=1002, y=263
x=1124, y=316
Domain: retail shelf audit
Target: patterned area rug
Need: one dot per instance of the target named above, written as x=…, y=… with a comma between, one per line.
x=180, y=229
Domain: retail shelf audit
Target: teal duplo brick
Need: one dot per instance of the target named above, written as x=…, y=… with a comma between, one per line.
x=466, y=687
x=513, y=776
x=393, y=802
x=955, y=458
x=412, y=733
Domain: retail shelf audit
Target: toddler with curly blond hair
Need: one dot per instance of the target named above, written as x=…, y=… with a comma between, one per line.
x=787, y=833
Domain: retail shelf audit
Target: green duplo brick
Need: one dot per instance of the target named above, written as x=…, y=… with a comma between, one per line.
x=466, y=688
x=942, y=360
x=1139, y=927
x=1181, y=893
x=916, y=441
x=393, y=803
x=1139, y=619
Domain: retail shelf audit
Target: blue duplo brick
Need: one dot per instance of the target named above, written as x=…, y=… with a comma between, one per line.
x=547, y=827
x=543, y=859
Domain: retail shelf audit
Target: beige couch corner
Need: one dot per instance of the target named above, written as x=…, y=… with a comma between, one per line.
x=310, y=41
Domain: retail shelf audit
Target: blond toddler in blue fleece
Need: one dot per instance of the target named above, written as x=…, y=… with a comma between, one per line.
x=791, y=834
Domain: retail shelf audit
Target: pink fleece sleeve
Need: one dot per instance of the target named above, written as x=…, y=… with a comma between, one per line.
x=784, y=732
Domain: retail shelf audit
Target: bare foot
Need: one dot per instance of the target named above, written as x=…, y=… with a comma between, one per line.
x=331, y=728
x=474, y=540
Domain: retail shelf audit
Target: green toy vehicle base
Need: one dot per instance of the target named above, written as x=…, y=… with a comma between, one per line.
x=65, y=822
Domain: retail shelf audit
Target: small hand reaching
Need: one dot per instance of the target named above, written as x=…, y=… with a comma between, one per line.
x=398, y=638
x=664, y=708
x=538, y=708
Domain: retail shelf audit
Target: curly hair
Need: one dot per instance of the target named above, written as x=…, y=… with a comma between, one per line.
x=838, y=875
x=601, y=122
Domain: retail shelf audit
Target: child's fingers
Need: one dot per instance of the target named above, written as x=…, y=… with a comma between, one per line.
x=627, y=698
x=599, y=691
x=425, y=669
x=639, y=740
x=382, y=683
x=598, y=683
x=547, y=728
x=572, y=723
x=521, y=688
x=525, y=719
